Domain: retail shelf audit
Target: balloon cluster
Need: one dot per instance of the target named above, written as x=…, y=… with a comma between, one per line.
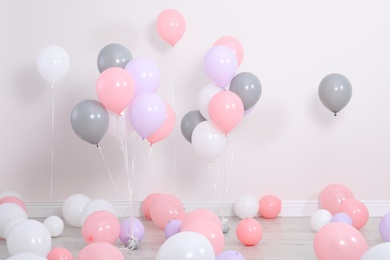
x=221, y=105
x=126, y=90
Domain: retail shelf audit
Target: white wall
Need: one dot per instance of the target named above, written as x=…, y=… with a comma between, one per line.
x=290, y=145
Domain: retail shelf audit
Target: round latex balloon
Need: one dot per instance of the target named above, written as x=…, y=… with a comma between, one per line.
x=248, y=87
x=249, y=231
x=333, y=195
x=55, y=225
x=113, y=55
x=72, y=208
x=189, y=122
x=100, y=250
x=320, y=218
x=53, y=63
x=378, y=252
x=246, y=206
x=96, y=205
x=59, y=253
x=234, y=45
x=171, y=26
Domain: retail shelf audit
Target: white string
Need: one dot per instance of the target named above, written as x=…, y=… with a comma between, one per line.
x=108, y=169
x=337, y=150
x=52, y=149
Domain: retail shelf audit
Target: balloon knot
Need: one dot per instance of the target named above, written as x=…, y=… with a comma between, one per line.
x=335, y=114
x=97, y=145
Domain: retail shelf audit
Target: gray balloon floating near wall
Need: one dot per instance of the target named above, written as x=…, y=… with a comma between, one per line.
x=113, y=55
x=335, y=92
x=90, y=120
x=189, y=122
x=248, y=87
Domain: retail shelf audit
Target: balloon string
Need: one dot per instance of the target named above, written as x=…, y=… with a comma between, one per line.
x=108, y=169
x=337, y=151
x=52, y=149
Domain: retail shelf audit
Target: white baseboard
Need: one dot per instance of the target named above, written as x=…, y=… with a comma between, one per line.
x=290, y=208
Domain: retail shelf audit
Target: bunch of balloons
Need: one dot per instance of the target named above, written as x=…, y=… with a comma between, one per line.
x=126, y=100
x=221, y=105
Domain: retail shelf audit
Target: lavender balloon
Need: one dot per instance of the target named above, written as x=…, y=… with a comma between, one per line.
x=342, y=217
x=145, y=73
x=230, y=255
x=131, y=228
x=173, y=227
x=384, y=227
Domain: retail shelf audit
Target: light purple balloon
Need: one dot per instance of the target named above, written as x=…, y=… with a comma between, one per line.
x=220, y=64
x=172, y=227
x=342, y=217
x=230, y=255
x=384, y=227
x=147, y=113
x=145, y=73
x=131, y=228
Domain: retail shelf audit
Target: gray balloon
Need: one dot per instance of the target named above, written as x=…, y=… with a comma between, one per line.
x=113, y=55
x=189, y=122
x=90, y=120
x=248, y=87
x=335, y=92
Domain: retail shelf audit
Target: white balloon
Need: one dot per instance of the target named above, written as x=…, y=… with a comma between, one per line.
x=119, y=126
x=10, y=224
x=26, y=256
x=186, y=245
x=55, y=225
x=72, y=208
x=207, y=141
x=319, y=219
x=53, y=63
x=29, y=236
x=204, y=97
x=8, y=211
x=10, y=193
x=246, y=206
x=96, y=205
x=378, y=252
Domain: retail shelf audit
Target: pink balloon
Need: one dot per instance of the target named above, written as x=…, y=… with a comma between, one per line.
x=208, y=229
x=166, y=128
x=14, y=200
x=332, y=196
x=199, y=214
x=115, y=89
x=147, y=202
x=145, y=74
x=101, y=226
x=339, y=241
x=220, y=65
x=249, y=231
x=147, y=113
x=171, y=26
x=270, y=206
x=164, y=209
x=356, y=210
x=59, y=253
x=226, y=110
x=100, y=251
x=234, y=45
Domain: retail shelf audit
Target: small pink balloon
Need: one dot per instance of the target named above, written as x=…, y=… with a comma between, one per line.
x=171, y=26
x=234, y=45
x=101, y=226
x=100, y=251
x=199, y=214
x=249, y=231
x=338, y=240
x=147, y=202
x=270, y=206
x=208, y=229
x=59, y=253
x=356, y=210
x=333, y=195
x=164, y=209
x=15, y=200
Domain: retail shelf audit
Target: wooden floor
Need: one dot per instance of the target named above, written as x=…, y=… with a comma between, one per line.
x=283, y=238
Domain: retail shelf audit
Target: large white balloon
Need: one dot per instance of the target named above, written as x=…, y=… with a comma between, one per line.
x=246, y=206
x=378, y=252
x=72, y=208
x=186, y=245
x=55, y=225
x=29, y=236
x=96, y=205
x=319, y=219
x=26, y=256
x=207, y=141
x=53, y=63
x=8, y=211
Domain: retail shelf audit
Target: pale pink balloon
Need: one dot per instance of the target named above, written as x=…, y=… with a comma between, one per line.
x=208, y=229
x=59, y=253
x=270, y=206
x=164, y=209
x=147, y=202
x=226, y=110
x=199, y=214
x=356, y=210
x=249, y=231
x=167, y=126
x=171, y=26
x=115, y=89
x=99, y=251
x=234, y=44
x=333, y=195
x=338, y=240
x=101, y=226
x=15, y=200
